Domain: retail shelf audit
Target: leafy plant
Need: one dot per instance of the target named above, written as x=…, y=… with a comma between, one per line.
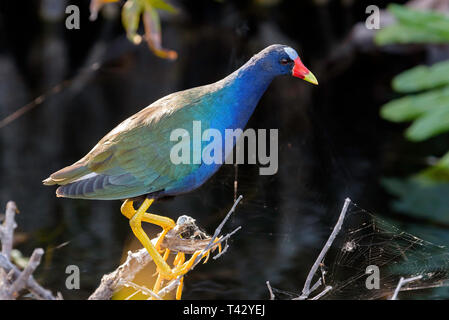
x=426, y=106
x=146, y=10
x=414, y=26
x=429, y=110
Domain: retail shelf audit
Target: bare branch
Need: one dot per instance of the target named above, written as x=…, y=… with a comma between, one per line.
x=110, y=283
x=403, y=282
x=212, y=242
x=32, y=265
x=270, y=290
x=8, y=228
x=142, y=289
x=35, y=288
x=169, y=287
x=322, y=293
x=306, y=290
x=12, y=280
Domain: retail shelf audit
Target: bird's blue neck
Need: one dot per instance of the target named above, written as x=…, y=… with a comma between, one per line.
x=246, y=86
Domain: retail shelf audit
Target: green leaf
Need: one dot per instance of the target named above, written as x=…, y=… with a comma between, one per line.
x=413, y=106
x=429, y=125
x=162, y=5
x=422, y=77
x=153, y=35
x=130, y=18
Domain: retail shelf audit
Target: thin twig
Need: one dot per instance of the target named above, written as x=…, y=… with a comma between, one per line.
x=131, y=295
x=272, y=296
x=21, y=281
x=8, y=228
x=214, y=243
x=169, y=287
x=226, y=246
x=14, y=280
x=224, y=239
x=144, y=290
x=35, y=288
x=401, y=283
x=322, y=293
x=316, y=285
x=221, y=225
x=306, y=290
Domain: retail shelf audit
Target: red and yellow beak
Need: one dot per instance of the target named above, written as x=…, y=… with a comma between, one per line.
x=300, y=71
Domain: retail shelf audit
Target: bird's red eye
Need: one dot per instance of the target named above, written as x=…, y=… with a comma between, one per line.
x=284, y=61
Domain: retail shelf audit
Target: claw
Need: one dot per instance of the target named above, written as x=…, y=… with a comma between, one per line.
x=160, y=240
x=207, y=256
x=182, y=269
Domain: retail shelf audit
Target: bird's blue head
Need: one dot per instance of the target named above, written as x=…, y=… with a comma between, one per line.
x=280, y=59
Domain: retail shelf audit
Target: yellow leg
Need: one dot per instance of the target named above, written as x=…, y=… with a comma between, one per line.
x=167, y=252
x=157, y=284
x=163, y=269
x=179, y=260
x=179, y=289
x=129, y=211
x=136, y=225
x=164, y=222
x=136, y=218
x=182, y=269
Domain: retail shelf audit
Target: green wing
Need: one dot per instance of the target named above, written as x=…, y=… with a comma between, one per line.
x=134, y=158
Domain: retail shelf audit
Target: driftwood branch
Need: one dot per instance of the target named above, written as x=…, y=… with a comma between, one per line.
x=111, y=282
x=192, y=240
x=12, y=279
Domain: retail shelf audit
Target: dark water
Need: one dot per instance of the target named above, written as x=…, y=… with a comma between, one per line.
x=332, y=143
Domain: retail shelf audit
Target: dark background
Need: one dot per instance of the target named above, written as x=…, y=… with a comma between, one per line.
x=332, y=142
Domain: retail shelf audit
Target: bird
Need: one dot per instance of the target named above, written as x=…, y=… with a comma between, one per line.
x=132, y=161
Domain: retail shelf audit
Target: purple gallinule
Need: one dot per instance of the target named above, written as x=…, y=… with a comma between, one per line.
x=133, y=160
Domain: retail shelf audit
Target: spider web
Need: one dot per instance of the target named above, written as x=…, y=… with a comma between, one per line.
x=367, y=240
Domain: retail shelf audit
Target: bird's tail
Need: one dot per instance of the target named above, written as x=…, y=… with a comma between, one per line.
x=67, y=175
